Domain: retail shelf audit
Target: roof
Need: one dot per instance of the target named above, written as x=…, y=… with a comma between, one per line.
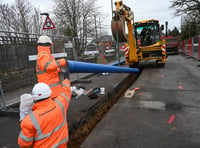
x=145, y=21
x=105, y=38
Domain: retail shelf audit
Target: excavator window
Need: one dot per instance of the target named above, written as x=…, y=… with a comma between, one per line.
x=147, y=33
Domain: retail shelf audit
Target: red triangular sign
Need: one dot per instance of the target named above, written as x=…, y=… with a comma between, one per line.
x=48, y=24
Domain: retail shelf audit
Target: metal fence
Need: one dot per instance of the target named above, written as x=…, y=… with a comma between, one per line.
x=16, y=70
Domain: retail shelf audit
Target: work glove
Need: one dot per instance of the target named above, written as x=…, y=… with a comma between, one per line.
x=62, y=62
x=26, y=104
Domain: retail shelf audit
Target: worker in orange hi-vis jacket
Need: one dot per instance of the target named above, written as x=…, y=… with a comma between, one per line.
x=47, y=68
x=46, y=125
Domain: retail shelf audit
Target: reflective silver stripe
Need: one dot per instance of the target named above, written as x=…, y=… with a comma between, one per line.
x=35, y=123
x=37, y=126
x=54, y=84
x=65, y=97
x=61, y=142
x=58, y=63
x=25, y=138
x=38, y=69
x=37, y=66
x=46, y=65
x=66, y=85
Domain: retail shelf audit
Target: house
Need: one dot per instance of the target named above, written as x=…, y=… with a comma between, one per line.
x=105, y=44
x=91, y=49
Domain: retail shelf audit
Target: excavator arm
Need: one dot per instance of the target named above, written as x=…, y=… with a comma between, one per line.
x=123, y=15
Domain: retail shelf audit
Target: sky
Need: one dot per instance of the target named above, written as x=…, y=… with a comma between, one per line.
x=143, y=9
x=146, y=9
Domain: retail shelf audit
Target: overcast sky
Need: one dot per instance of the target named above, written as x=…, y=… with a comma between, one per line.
x=143, y=9
x=147, y=9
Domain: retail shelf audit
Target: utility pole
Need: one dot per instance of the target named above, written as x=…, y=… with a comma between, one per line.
x=95, y=21
x=166, y=29
x=112, y=7
x=100, y=27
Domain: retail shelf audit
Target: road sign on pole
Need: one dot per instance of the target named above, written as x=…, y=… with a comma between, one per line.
x=48, y=24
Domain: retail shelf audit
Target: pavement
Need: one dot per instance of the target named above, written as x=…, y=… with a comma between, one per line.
x=163, y=113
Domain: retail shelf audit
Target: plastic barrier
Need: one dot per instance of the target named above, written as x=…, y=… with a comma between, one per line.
x=191, y=47
x=199, y=49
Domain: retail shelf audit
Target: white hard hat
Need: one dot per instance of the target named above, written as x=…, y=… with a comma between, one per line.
x=44, y=39
x=41, y=91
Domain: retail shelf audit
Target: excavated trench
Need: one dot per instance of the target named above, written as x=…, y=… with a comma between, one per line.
x=79, y=130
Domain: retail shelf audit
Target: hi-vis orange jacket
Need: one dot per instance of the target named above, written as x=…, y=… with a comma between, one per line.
x=47, y=69
x=46, y=126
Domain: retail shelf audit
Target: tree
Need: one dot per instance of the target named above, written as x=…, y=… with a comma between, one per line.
x=188, y=29
x=189, y=10
x=174, y=32
x=76, y=17
x=186, y=7
x=21, y=16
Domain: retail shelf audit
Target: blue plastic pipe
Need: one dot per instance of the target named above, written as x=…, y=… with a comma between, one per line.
x=84, y=67
x=118, y=63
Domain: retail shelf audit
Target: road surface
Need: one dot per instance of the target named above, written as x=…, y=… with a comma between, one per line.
x=164, y=112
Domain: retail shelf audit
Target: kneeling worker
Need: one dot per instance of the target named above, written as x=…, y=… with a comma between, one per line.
x=46, y=125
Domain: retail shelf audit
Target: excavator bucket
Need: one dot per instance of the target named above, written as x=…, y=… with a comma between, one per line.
x=118, y=25
x=84, y=67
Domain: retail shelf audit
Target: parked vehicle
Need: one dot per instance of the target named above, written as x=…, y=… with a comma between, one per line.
x=172, y=44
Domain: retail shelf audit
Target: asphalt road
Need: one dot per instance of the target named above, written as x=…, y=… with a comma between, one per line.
x=164, y=112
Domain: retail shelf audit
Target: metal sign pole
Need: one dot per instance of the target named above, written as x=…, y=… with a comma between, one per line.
x=3, y=99
x=118, y=47
x=74, y=54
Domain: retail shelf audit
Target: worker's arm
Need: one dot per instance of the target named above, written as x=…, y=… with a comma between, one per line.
x=27, y=133
x=47, y=63
x=61, y=62
x=65, y=96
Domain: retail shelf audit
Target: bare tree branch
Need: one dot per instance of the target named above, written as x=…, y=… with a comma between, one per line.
x=21, y=16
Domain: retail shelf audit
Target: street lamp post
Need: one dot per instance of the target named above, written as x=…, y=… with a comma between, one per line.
x=47, y=15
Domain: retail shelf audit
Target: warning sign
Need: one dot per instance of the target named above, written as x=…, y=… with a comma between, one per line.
x=48, y=24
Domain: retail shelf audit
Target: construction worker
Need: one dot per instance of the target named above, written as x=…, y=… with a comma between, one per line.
x=143, y=35
x=47, y=68
x=46, y=125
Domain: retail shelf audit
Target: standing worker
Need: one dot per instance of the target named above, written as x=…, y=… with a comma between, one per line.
x=46, y=125
x=47, y=68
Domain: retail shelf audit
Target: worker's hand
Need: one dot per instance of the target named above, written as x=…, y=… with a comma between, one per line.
x=26, y=104
x=66, y=82
x=62, y=62
x=58, y=69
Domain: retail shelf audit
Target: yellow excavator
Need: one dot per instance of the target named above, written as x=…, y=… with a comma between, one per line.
x=143, y=39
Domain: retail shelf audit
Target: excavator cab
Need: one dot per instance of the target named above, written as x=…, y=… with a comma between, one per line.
x=147, y=33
